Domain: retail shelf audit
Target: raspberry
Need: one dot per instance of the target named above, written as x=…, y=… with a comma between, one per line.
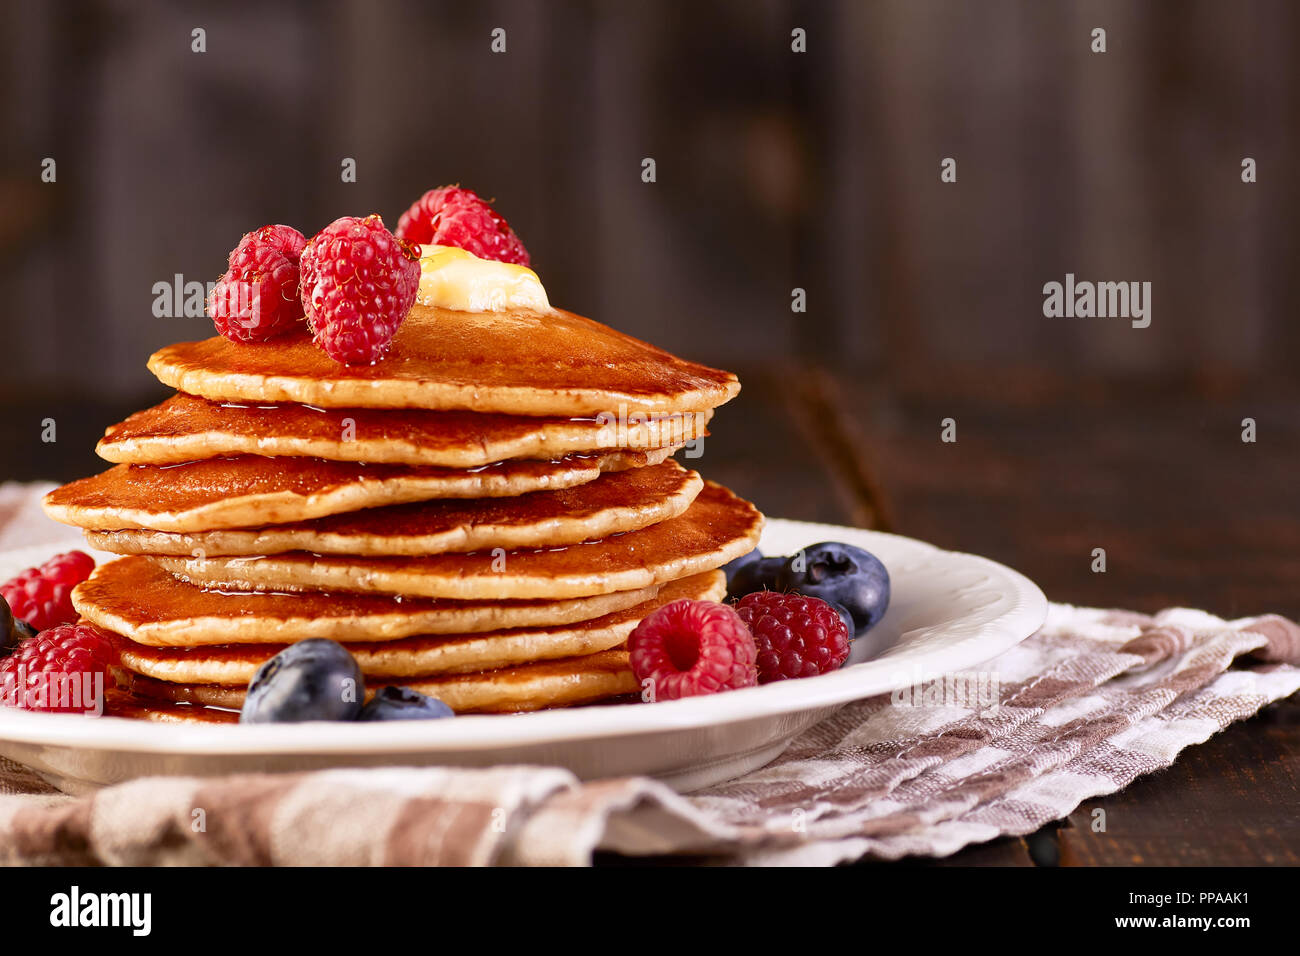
x=57, y=669
x=796, y=636
x=688, y=648
x=358, y=283
x=43, y=596
x=451, y=216
x=257, y=298
x=286, y=239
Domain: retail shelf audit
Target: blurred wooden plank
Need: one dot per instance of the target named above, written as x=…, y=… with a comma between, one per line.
x=1186, y=512
x=78, y=426
x=761, y=448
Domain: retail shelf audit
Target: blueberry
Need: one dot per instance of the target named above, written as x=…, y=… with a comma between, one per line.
x=314, y=679
x=9, y=635
x=402, y=703
x=845, y=616
x=732, y=567
x=843, y=574
x=753, y=575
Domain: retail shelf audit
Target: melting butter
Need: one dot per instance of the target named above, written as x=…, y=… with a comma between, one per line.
x=452, y=278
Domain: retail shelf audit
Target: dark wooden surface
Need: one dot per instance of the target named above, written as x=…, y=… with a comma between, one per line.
x=1043, y=471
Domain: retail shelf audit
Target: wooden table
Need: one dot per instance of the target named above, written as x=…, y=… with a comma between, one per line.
x=1042, y=472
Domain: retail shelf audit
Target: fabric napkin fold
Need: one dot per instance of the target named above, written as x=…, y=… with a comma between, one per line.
x=1092, y=701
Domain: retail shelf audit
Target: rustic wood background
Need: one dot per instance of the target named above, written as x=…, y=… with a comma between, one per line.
x=775, y=170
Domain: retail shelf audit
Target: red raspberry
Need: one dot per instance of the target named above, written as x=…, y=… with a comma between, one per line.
x=43, y=596
x=358, y=283
x=796, y=636
x=62, y=669
x=451, y=216
x=688, y=648
x=257, y=298
x=288, y=240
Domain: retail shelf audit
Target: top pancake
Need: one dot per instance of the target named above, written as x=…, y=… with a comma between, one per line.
x=517, y=363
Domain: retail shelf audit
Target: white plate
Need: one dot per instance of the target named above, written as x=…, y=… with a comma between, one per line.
x=948, y=611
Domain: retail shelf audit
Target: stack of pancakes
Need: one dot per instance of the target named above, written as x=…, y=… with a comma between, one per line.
x=484, y=515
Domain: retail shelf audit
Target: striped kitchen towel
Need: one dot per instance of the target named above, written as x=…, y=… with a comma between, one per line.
x=1094, y=700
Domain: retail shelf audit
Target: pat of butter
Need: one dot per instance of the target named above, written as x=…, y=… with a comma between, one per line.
x=452, y=278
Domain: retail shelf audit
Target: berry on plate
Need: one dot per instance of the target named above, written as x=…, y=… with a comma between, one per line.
x=846, y=617
x=688, y=648
x=9, y=635
x=257, y=298
x=796, y=636
x=402, y=703
x=62, y=670
x=844, y=574
x=452, y=216
x=358, y=282
x=751, y=573
x=43, y=596
x=315, y=679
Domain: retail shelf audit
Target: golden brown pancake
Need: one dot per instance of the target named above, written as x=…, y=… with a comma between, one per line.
x=561, y=683
x=423, y=656
x=515, y=363
x=717, y=527
x=614, y=503
x=250, y=491
x=139, y=600
x=186, y=428
x=118, y=703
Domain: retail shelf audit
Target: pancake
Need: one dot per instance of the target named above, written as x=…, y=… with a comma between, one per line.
x=612, y=504
x=118, y=703
x=424, y=656
x=186, y=428
x=717, y=527
x=515, y=363
x=572, y=680
x=250, y=490
x=139, y=600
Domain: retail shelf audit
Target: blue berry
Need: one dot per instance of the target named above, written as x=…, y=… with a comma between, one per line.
x=314, y=679
x=732, y=567
x=13, y=631
x=749, y=574
x=8, y=633
x=846, y=617
x=840, y=573
x=402, y=703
